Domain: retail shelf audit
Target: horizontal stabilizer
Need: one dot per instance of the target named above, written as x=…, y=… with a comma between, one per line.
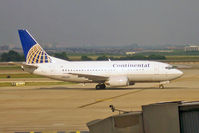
x=24, y=65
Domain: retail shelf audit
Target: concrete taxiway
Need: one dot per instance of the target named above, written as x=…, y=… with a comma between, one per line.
x=71, y=107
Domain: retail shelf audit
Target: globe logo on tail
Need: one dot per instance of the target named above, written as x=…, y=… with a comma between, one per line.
x=37, y=55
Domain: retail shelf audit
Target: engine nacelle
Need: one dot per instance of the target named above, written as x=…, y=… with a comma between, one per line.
x=118, y=81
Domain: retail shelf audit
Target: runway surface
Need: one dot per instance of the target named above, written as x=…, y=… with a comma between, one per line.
x=71, y=107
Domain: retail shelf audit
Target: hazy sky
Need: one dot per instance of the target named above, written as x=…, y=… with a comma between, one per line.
x=101, y=22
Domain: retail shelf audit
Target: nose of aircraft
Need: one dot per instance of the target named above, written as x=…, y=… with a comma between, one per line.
x=179, y=73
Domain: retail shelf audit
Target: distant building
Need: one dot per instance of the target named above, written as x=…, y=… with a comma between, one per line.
x=175, y=47
x=191, y=48
x=4, y=47
x=130, y=53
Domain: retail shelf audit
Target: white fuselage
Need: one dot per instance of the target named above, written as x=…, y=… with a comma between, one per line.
x=135, y=71
x=112, y=73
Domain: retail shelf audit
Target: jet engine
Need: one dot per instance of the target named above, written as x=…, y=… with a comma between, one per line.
x=118, y=81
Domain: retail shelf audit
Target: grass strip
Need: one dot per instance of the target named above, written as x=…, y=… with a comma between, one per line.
x=8, y=84
x=4, y=84
x=9, y=67
x=20, y=76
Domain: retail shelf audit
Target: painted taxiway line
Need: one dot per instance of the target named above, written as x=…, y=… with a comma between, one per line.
x=110, y=98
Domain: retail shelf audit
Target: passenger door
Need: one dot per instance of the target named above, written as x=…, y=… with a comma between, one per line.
x=156, y=72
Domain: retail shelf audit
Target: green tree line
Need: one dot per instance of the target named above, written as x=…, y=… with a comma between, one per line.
x=15, y=56
x=11, y=56
x=134, y=57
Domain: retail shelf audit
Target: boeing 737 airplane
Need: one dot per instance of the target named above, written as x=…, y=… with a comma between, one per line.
x=103, y=73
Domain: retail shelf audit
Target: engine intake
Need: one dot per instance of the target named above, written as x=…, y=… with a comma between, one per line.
x=118, y=81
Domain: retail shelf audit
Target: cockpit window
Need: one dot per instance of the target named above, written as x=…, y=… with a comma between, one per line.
x=170, y=67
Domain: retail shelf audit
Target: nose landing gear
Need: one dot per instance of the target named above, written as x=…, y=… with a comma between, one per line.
x=100, y=86
x=161, y=85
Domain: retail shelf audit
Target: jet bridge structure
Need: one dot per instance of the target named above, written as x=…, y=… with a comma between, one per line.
x=169, y=117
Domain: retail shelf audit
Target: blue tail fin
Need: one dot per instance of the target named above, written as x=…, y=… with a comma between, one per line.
x=32, y=50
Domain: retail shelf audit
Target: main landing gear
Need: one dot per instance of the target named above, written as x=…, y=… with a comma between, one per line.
x=100, y=86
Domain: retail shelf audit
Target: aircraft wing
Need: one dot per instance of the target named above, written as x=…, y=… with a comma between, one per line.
x=91, y=76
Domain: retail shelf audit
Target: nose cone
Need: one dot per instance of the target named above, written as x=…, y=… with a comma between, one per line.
x=178, y=73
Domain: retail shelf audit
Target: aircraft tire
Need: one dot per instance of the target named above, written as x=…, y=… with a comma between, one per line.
x=161, y=86
x=103, y=86
x=100, y=86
